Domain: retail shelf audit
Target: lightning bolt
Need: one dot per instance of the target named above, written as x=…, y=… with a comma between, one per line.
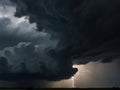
x=73, y=82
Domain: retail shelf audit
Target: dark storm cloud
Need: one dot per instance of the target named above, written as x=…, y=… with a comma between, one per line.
x=27, y=51
x=31, y=57
x=28, y=61
x=88, y=29
x=11, y=35
x=13, y=30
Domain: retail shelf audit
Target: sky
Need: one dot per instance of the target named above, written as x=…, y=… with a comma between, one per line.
x=46, y=43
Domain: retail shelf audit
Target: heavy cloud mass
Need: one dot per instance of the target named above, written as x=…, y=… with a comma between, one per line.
x=27, y=51
x=59, y=33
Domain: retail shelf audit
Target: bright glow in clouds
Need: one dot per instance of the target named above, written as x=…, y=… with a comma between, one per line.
x=92, y=75
x=82, y=75
x=83, y=71
x=22, y=28
x=22, y=23
x=8, y=12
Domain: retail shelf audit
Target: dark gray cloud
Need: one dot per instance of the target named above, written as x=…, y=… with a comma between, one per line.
x=21, y=44
x=24, y=47
x=29, y=61
x=29, y=54
x=87, y=29
x=84, y=30
x=46, y=37
x=92, y=25
x=14, y=30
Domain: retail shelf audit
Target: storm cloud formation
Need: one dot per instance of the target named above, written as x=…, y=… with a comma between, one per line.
x=27, y=51
x=86, y=30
